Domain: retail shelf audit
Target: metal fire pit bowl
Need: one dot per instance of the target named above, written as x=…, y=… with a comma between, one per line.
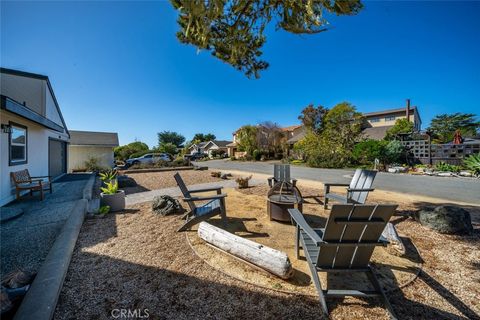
x=281, y=197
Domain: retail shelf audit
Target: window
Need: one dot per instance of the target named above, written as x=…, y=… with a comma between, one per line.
x=389, y=118
x=18, y=145
x=375, y=120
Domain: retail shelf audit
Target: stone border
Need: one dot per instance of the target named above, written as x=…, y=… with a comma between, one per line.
x=157, y=169
x=42, y=297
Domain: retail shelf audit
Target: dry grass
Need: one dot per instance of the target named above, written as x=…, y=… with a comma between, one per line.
x=136, y=260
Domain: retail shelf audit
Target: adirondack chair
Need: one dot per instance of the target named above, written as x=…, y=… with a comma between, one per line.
x=357, y=189
x=345, y=244
x=214, y=206
x=281, y=173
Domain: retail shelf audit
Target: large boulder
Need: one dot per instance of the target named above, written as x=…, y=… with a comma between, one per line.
x=446, y=219
x=165, y=205
x=126, y=181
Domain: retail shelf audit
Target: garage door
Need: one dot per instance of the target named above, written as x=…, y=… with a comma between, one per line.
x=57, y=158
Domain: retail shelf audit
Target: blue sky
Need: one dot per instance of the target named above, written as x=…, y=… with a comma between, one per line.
x=117, y=66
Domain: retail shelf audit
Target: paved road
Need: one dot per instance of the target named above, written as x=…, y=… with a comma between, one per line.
x=452, y=189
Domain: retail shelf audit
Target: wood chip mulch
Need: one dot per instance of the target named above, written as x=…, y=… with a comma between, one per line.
x=135, y=260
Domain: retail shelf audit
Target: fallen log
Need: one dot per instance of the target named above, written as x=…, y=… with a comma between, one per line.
x=390, y=233
x=271, y=260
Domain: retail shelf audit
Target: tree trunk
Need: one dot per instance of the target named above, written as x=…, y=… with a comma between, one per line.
x=274, y=261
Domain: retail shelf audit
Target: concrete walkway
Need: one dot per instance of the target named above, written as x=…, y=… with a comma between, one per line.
x=26, y=240
x=465, y=190
x=147, y=196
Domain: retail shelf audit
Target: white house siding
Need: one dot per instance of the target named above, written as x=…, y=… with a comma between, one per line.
x=24, y=89
x=37, y=153
x=77, y=155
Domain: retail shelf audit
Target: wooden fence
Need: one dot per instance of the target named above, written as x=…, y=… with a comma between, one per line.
x=426, y=153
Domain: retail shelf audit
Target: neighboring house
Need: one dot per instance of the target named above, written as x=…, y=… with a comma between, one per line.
x=290, y=132
x=87, y=144
x=378, y=123
x=215, y=145
x=197, y=147
x=33, y=133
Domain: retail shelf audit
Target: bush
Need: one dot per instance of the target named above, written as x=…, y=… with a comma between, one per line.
x=92, y=165
x=442, y=166
x=472, y=163
x=367, y=151
x=394, y=151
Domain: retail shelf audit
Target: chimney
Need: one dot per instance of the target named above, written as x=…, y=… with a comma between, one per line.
x=407, y=111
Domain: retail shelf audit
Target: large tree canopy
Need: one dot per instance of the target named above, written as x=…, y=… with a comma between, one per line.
x=443, y=126
x=233, y=30
x=170, y=137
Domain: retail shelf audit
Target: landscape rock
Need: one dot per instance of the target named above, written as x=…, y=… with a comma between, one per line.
x=444, y=174
x=126, y=181
x=165, y=205
x=465, y=174
x=224, y=176
x=446, y=219
x=392, y=170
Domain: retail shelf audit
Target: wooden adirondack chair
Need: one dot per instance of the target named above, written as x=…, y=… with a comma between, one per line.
x=215, y=205
x=281, y=173
x=357, y=189
x=345, y=244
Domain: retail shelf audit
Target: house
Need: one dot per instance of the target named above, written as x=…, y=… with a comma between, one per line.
x=197, y=147
x=87, y=144
x=33, y=133
x=377, y=123
x=218, y=145
x=290, y=132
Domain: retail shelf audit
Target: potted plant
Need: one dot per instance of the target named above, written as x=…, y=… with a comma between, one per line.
x=243, y=182
x=113, y=197
x=108, y=176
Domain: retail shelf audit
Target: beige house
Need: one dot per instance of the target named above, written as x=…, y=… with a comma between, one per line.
x=377, y=123
x=87, y=144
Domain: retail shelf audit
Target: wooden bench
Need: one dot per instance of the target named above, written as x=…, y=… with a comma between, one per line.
x=23, y=181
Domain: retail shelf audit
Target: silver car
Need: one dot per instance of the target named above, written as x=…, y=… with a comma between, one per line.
x=149, y=158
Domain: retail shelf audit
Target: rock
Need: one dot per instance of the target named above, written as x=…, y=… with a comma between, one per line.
x=392, y=170
x=126, y=181
x=446, y=219
x=444, y=174
x=224, y=176
x=165, y=205
x=465, y=174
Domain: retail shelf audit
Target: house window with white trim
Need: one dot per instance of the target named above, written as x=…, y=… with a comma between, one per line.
x=375, y=120
x=18, y=145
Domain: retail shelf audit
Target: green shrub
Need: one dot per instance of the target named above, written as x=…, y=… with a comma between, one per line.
x=442, y=166
x=394, y=151
x=365, y=152
x=472, y=163
x=256, y=154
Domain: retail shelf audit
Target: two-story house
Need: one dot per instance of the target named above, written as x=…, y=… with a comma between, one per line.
x=377, y=123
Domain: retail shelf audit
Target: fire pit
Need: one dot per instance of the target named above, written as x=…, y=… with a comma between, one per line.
x=281, y=197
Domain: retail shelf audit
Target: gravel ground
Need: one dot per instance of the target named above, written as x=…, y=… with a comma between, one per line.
x=137, y=261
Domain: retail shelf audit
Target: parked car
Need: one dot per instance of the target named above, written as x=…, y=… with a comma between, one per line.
x=149, y=158
x=195, y=156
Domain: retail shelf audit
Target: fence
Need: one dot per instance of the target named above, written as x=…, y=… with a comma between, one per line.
x=427, y=153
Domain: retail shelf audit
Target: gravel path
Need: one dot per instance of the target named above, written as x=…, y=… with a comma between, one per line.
x=26, y=240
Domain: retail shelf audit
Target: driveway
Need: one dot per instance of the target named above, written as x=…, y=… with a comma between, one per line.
x=26, y=240
x=451, y=188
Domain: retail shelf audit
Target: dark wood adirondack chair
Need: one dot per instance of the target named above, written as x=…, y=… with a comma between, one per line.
x=214, y=206
x=281, y=173
x=357, y=189
x=345, y=244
